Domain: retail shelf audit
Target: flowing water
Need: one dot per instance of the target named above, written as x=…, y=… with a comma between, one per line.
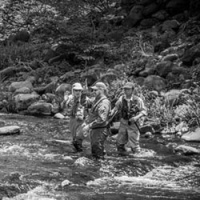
x=39, y=164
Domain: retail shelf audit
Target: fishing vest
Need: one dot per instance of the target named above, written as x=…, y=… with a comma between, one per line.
x=126, y=112
x=77, y=105
x=93, y=114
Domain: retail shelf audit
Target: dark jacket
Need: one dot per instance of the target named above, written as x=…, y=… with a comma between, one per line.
x=99, y=113
x=135, y=107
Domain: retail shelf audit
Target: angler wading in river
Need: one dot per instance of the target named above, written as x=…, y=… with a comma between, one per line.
x=96, y=121
x=76, y=108
x=131, y=108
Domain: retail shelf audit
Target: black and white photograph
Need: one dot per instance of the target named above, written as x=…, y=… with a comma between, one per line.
x=99, y=99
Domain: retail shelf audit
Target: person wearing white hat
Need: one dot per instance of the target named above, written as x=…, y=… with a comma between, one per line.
x=75, y=108
x=97, y=120
x=131, y=108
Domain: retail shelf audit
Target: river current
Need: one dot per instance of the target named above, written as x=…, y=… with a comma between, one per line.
x=39, y=164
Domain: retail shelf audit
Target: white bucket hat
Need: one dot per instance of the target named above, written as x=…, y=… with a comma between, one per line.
x=77, y=86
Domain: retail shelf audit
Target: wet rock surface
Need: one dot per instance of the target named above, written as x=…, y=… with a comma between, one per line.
x=39, y=164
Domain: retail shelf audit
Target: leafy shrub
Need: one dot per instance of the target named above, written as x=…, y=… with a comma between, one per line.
x=14, y=54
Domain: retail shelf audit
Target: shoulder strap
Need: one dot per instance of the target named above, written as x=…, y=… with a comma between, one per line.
x=98, y=102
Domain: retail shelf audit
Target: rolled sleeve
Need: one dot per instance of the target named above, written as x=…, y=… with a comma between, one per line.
x=142, y=107
x=118, y=105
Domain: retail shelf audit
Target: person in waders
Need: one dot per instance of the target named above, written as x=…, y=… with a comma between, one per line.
x=76, y=106
x=131, y=108
x=96, y=121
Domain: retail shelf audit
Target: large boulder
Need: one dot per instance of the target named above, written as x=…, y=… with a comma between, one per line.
x=160, y=15
x=170, y=57
x=11, y=71
x=23, y=101
x=49, y=97
x=23, y=90
x=163, y=68
x=49, y=88
x=155, y=83
x=148, y=70
x=21, y=84
x=148, y=23
x=172, y=97
x=192, y=136
x=21, y=36
x=83, y=162
x=176, y=70
x=187, y=150
x=191, y=54
x=135, y=15
x=150, y=9
x=40, y=108
x=177, y=6
x=139, y=80
x=9, y=130
x=170, y=25
x=108, y=77
x=61, y=89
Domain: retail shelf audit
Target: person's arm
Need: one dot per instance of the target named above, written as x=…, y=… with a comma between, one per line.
x=142, y=107
x=65, y=99
x=67, y=107
x=117, y=106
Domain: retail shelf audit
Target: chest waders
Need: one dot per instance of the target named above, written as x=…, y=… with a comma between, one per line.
x=129, y=131
x=75, y=124
x=98, y=134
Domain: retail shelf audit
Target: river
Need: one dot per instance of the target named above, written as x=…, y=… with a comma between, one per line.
x=39, y=164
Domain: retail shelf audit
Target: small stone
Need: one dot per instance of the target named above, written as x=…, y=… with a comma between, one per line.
x=83, y=162
x=7, y=130
x=179, y=134
x=148, y=135
x=187, y=150
x=67, y=158
x=59, y=116
x=65, y=183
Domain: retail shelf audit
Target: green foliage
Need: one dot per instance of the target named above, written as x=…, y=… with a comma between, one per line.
x=33, y=14
x=192, y=109
x=14, y=54
x=97, y=50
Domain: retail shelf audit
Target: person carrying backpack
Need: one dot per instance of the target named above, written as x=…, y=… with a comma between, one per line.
x=131, y=108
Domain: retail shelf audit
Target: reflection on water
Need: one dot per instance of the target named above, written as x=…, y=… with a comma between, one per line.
x=40, y=164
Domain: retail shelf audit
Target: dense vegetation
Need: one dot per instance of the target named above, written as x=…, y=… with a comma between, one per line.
x=153, y=43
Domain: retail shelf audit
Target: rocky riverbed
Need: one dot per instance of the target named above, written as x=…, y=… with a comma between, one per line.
x=38, y=163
